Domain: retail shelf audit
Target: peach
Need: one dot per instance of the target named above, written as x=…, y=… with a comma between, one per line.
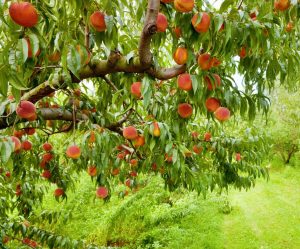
x=177, y=31
x=46, y=174
x=156, y=129
x=43, y=164
x=133, y=162
x=92, y=138
x=97, y=20
x=166, y=1
x=281, y=5
x=289, y=27
x=115, y=171
x=184, y=82
x=58, y=192
x=26, y=145
x=133, y=174
x=222, y=114
x=130, y=133
x=154, y=166
x=204, y=61
x=18, y=190
x=212, y=104
x=161, y=22
x=47, y=157
x=102, y=192
x=207, y=136
x=19, y=133
x=17, y=143
x=128, y=183
x=212, y=86
x=195, y=134
x=25, y=109
x=253, y=16
x=215, y=62
x=184, y=5
x=30, y=50
x=168, y=158
x=29, y=131
x=73, y=152
x=185, y=110
x=55, y=57
x=8, y=174
x=24, y=14
x=32, y=118
x=135, y=89
x=47, y=147
x=201, y=25
x=243, y=52
x=197, y=149
x=92, y=170
x=238, y=157
x=139, y=141
x=180, y=56
x=77, y=92
x=121, y=155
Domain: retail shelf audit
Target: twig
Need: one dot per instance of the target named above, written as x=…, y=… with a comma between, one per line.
x=109, y=82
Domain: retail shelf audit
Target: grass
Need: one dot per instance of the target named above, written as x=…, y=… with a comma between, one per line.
x=266, y=217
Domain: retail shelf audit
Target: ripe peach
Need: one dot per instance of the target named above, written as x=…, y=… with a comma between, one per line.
x=102, y=192
x=139, y=141
x=168, y=158
x=58, y=192
x=115, y=171
x=29, y=131
x=30, y=50
x=19, y=133
x=289, y=27
x=180, y=56
x=253, y=16
x=207, y=136
x=177, y=31
x=204, y=61
x=73, y=152
x=121, y=155
x=46, y=174
x=212, y=104
x=212, y=86
x=18, y=190
x=154, y=166
x=47, y=157
x=133, y=162
x=92, y=138
x=201, y=25
x=215, y=62
x=77, y=92
x=243, y=52
x=97, y=20
x=156, y=129
x=8, y=174
x=25, y=109
x=47, y=146
x=195, y=134
x=133, y=174
x=238, y=157
x=128, y=182
x=135, y=89
x=222, y=114
x=184, y=82
x=161, y=22
x=83, y=54
x=197, y=149
x=16, y=142
x=24, y=14
x=130, y=133
x=166, y=1
x=282, y=5
x=26, y=145
x=184, y=5
x=185, y=110
x=92, y=170
x=55, y=57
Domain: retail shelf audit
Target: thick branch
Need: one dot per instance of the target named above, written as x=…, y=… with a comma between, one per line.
x=60, y=114
x=166, y=73
x=149, y=30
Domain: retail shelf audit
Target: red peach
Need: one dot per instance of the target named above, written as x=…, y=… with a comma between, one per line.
x=133, y=162
x=55, y=57
x=212, y=86
x=177, y=31
x=97, y=20
x=92, y=138
x=185, y=110
x=238, y=157
x=47, y=146
x=19, y=133
x=281, y=5
x=156, y=129
x=30, y=50
x=46, y=174
x=130, y=133
x=29, y=131
x=115, y=171
x=24, y=14
x=92, y=170
x=102, y=192
x=212, y=104
x=168, y=158
x=16, y=142
x=184, y=82
x=135, y=89
x=47, y=157
x=201, y=25
x=139, y=141
x=73, y=152
x=58, y=192
x=222, y=114
x=195, y=134
x=25, y=109
x=197, y=149
x=207, y=136
x=26, y=145
x=243, y=52
x=204, y=61
x=161, y=22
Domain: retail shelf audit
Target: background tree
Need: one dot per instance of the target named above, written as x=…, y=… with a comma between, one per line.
x=95, y=71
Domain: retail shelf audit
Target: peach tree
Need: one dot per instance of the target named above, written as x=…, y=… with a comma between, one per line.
x=133, y=88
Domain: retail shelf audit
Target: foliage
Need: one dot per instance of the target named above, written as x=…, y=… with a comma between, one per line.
x=81, y=82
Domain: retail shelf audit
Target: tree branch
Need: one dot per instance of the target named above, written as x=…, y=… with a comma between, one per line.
x=149, y=30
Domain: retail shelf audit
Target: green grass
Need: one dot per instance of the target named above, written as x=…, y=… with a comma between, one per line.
x=266, y=217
